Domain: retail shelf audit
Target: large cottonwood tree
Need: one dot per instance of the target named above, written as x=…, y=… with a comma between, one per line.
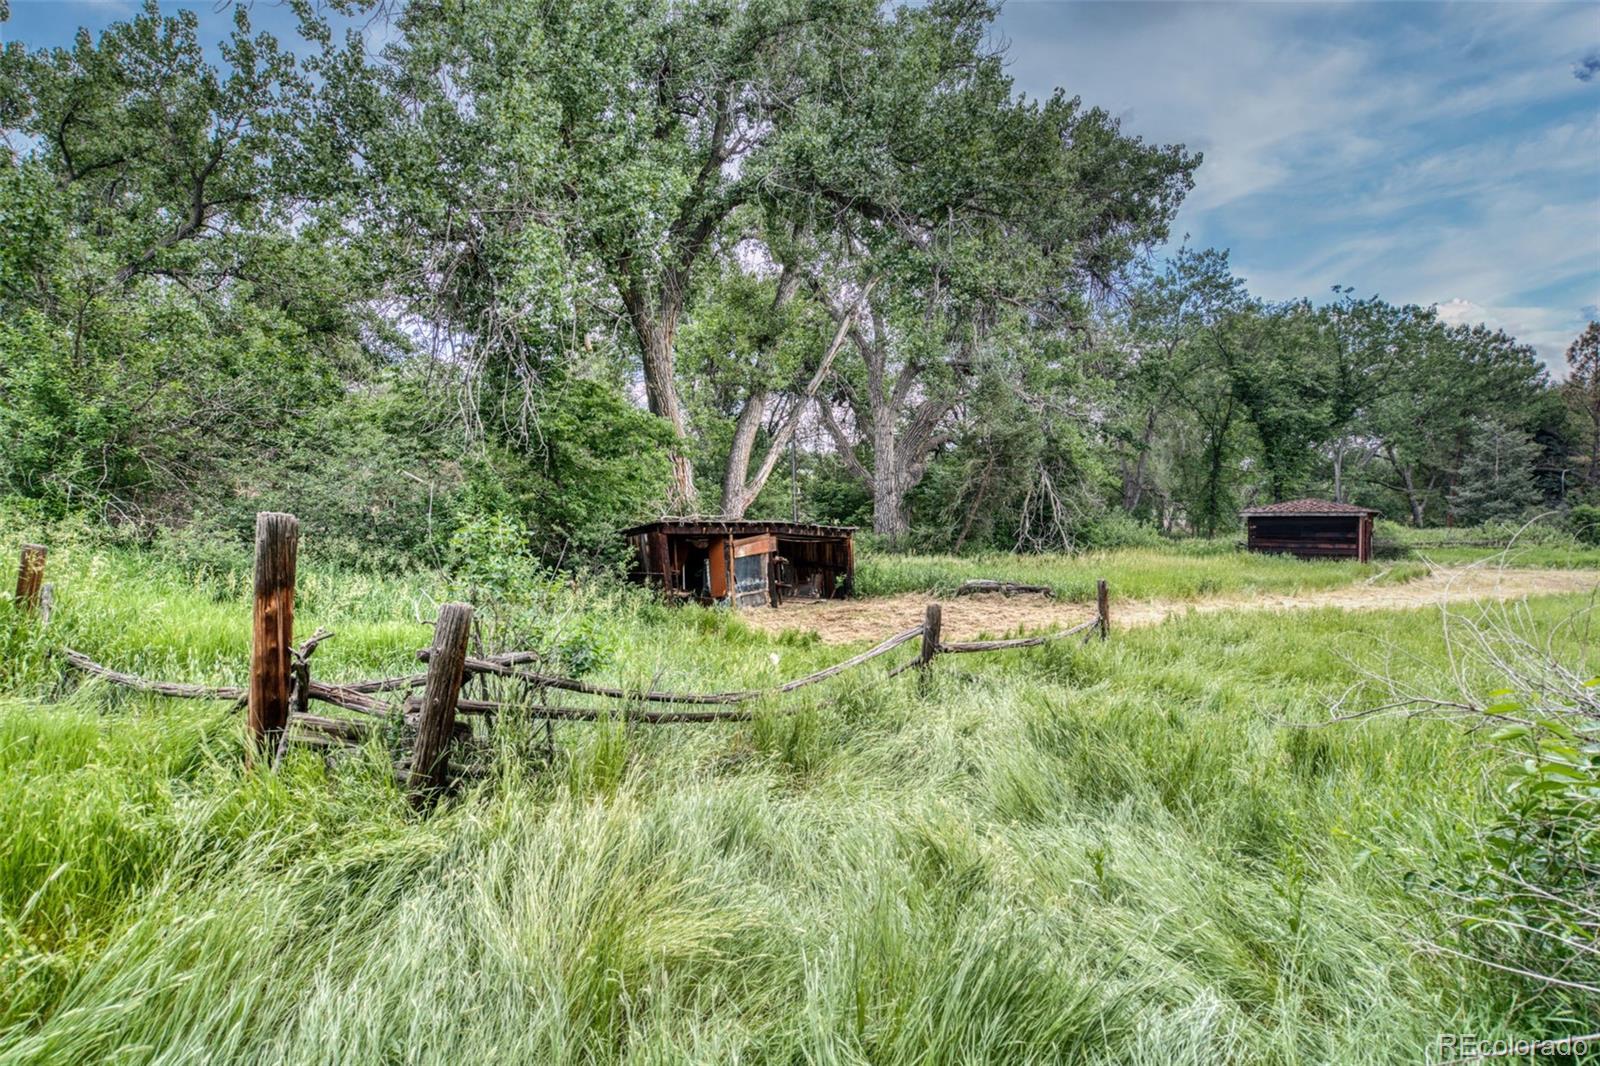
x=974, y=213
x=554, y=171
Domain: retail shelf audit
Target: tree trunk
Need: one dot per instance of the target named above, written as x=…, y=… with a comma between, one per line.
x=1594, y=444
x=739, y=490
x=1217, y=451
x=888, y=507
x=1338, y=471
x=657, y=335
x=1413, y=500
x=736, y=495
x=1133, y=488
x=888, y=488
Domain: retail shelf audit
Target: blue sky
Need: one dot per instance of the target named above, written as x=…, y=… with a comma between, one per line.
x=1436, y=153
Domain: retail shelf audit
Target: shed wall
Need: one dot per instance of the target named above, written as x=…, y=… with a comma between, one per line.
x=1312, y=536
x=748, y=565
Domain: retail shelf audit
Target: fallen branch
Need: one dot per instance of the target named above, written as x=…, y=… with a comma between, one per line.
x=337, y=728
x=504, y=658
x=567, y=684
x=1005, y=588
x=963, y=646
x=351, y=699
x=159, y=688
x=339, y=695
x=385, y=684
x=540, y=712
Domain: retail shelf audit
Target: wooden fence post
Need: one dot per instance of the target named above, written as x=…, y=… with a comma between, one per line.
x=446, y=665
x=1102, y=601
x=272, y=631
x=30, y=576
x=930, y=635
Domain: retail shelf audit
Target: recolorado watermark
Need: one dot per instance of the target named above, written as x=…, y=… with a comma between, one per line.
x=1452, y=1048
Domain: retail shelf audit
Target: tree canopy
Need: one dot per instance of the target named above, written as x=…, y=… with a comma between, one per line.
x=578, y=264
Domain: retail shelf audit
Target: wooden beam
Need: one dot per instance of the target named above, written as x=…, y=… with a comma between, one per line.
x=931, y=625
x=30, y=577
x=430, y=765
x=272, y=626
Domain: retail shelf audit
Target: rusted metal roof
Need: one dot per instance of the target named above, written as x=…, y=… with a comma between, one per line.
x=738, y=527
x=1307, y=507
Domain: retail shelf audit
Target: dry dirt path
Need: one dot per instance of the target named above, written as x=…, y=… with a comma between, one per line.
x=964, y=618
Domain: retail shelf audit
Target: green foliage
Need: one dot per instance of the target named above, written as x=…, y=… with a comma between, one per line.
x=1530, y=898
x=395, y=292
x=1183, y=570
x=159, y=315
x=1117, y=850
x=1584, y=520
x=1496, y=478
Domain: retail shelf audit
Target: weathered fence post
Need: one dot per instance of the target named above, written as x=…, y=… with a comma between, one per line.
x=47, y=603
x=446, y=665
x=930, y=635
x=30, y=577
x=272, y=631
x=1102, y=601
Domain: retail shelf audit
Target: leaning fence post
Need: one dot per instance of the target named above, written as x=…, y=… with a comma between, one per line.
x=30, y=577
x=930, y=635
x=1102, y=601
x=272, y=629
x=446, y=665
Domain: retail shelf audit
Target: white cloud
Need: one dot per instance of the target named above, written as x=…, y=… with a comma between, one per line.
x=1429, y=153
x=1459, y=312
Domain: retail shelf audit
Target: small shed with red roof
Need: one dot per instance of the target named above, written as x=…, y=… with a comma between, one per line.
x=1311, y=529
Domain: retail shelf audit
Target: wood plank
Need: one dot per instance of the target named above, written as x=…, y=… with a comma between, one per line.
x=272, y=628
x=30, y=577
x=765, y=544
x=447, y=659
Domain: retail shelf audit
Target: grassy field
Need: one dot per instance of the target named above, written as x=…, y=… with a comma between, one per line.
x=1509, y=544
x=1183, y=570
x=1127, y=852
x=1559, y=556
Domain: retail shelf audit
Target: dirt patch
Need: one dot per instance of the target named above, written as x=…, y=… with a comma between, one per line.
x=969, y=617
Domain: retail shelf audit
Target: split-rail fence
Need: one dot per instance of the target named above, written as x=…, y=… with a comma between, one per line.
x=280, y=689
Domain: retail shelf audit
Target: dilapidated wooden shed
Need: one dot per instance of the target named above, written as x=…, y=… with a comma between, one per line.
x=744, y=563
x=1311, y=529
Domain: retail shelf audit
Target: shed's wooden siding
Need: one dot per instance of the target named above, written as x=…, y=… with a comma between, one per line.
x=1312, y=536
x=738, y=562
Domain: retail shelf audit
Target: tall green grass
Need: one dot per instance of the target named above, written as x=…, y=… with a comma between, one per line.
x=1543, y=543
x=1185, y=570
x=1127, y=852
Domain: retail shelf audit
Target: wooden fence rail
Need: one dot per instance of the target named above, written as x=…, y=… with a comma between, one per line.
x=280, y=688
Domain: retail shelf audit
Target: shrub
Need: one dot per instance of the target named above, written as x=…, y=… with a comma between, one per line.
x=1584, y=521
x=1530, y=902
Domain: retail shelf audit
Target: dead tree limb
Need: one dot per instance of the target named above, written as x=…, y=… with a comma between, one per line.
x=646, y=715
x=337, y=695
x=1005, y=588
x=160, y=688
x=568, y=684
x=961, y=646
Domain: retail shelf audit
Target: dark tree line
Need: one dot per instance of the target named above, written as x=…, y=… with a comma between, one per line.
x=579, y=263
